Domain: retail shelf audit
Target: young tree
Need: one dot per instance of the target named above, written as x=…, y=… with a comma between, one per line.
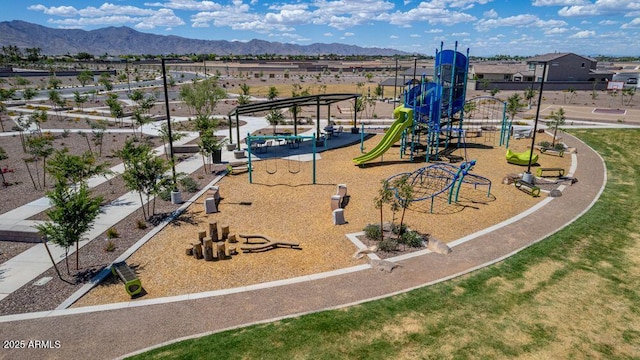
x=80, y=99
x=143, y=172
x=54, y=82
x=40, y=147
x=558, y=118
x=274, y=117
x=3, y=111
x=529, y=94
x=29, y=93
x=85, y=77
x=115, y=108
x=405, y=198
x=244, y=97
x=513, y=105
x=105, y=80
x=74, y=169
x=385, y=196
x=72, y=215
x=273, y=93
x=98, y=128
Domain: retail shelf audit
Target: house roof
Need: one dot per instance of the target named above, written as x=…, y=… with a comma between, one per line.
x=554, y=56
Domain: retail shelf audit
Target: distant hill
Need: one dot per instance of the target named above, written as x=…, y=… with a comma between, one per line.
x=124, y=40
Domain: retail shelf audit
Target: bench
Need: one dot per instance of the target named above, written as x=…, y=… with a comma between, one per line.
x=524, y=185
x=552, y=152
x=132, y=284
x=558, y=172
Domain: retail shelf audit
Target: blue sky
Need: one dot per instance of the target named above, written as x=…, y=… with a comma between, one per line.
x=510, y=27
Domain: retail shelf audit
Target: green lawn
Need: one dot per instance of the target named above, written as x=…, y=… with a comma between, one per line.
x=574, y=295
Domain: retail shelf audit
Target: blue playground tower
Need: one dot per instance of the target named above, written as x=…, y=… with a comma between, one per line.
x=431, y=116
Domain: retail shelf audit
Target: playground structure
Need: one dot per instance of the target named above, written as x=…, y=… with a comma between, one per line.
x=433, y=180
x=432, y=115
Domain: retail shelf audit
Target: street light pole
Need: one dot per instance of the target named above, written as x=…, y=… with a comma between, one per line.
x=166, y=102
x=535, y=123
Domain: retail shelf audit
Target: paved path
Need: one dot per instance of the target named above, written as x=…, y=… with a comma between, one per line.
x=112, y=331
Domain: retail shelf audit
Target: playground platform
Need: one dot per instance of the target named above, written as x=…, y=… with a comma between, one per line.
x=99, y=330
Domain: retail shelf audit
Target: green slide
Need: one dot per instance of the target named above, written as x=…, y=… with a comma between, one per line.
x=404, y=119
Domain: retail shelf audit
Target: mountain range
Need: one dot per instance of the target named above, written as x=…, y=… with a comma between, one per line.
x=124, y=40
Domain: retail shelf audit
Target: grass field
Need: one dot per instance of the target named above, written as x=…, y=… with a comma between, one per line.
x=574, y=295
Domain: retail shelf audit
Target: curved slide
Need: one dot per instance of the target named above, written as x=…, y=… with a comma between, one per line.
x=404, y=119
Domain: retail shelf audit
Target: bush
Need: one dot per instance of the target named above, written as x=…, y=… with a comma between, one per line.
x=110, y=246
x=372, y=231
x=411, y=239
x=388, y=245
x=558, y=147
x=165, y=194
x=112, y=233
x=188, y=184
x=395, y=228
x=141, y=224
x=544, y=144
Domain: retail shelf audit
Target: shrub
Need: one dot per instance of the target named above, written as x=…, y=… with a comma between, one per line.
x=372, y=231
x=411, y=239
x=110, y=246
x=141, y=224
x=188, y=184
x=395, y=228
x=558, y=147
x=165, y=194
x=112, y=233
x=388, y=245
x=544, y=144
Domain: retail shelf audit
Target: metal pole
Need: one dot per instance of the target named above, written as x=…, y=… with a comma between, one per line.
x=535, y=123
x=395, y=83
x=249, y=162
x=314, y=158
x=166, y=103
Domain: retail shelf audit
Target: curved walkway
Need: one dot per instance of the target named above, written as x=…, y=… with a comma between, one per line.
x=114, y=333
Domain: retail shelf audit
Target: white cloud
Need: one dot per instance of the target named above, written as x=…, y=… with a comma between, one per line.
x=394, y=37
x=601, y=7
x=187, y=5
x=434, y=12
x=64, y=11
x=415, y=35
x=433, y=31
x=523, y=20
x=633, y=24
x=608, y=22
x=556, y=31
x=491, y=14
x=349, y=34
x=583, y=34
x=558, y=2
x=328, y=34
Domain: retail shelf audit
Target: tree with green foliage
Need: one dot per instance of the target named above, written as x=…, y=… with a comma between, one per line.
x=98, y=128
x=7, y=94
x=629, y=93
x=29, y=93
x=54, y=82
x=529, y=94
x=557, y=119
x=39, y=117
x=85, y=77
x=105, y=80
x=514, y=105
x=273, y=93
x=405, y=192
x=40, y=147
x=202, y=97
x=115, y=108
x=144, y=172
x=275, y=117
x=3, y=111
x=80, y=99
x=71, y=216
x=244, y=98
x=385, y=196
x=74, y=169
